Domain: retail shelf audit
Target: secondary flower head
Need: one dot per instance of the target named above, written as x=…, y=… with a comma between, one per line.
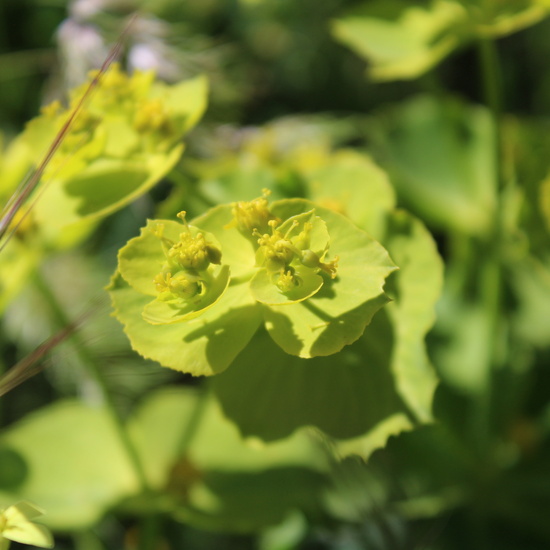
x=254, y=215
x=16, y=525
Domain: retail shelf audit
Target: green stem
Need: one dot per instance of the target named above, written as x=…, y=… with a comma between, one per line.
x=194, y=422
x=93, y=369
x=489, y=288
x=491, y=81
x=149, y=531
x=491, y=282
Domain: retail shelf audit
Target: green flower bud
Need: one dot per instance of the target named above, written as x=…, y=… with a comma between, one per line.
x=193, y=252
x=275, y=251
x=310, y=259
x=182, y=285
x=184, y=275
x=279, y=251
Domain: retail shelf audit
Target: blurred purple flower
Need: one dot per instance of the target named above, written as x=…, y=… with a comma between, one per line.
x=82, y=48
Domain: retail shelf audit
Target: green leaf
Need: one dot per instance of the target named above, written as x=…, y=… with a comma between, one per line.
x=271, y=395
x=103, y=187
x=403, y=40
x=507, y=16
x=173, y=408
x=417, y=287
x=124, y=140
x=186, y=100
x=352, y=184
x=142, y=257
x=226, y=476
x=81, y=475
x=441, y=157
x=18, y=528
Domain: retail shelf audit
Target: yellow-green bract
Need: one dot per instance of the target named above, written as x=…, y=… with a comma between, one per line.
x=127, y=136
x=309, y=275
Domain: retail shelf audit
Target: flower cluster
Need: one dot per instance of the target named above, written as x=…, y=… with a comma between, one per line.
x=185, y=274
x=192, y=299
x=125, y=134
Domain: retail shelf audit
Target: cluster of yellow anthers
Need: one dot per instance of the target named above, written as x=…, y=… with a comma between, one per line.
x=279, y=253
x=254, y=215
x=184, y=274
x=152, y=116
x=117, y=87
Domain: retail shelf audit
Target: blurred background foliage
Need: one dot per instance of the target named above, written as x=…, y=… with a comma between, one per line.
x=448, y=101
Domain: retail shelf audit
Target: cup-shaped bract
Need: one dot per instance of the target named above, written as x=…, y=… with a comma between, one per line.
x=179, y=266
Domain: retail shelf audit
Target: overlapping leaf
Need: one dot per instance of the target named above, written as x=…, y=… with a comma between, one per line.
x=270, y=395
x=87, y=472
x=403, y=39
x=441, y=157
